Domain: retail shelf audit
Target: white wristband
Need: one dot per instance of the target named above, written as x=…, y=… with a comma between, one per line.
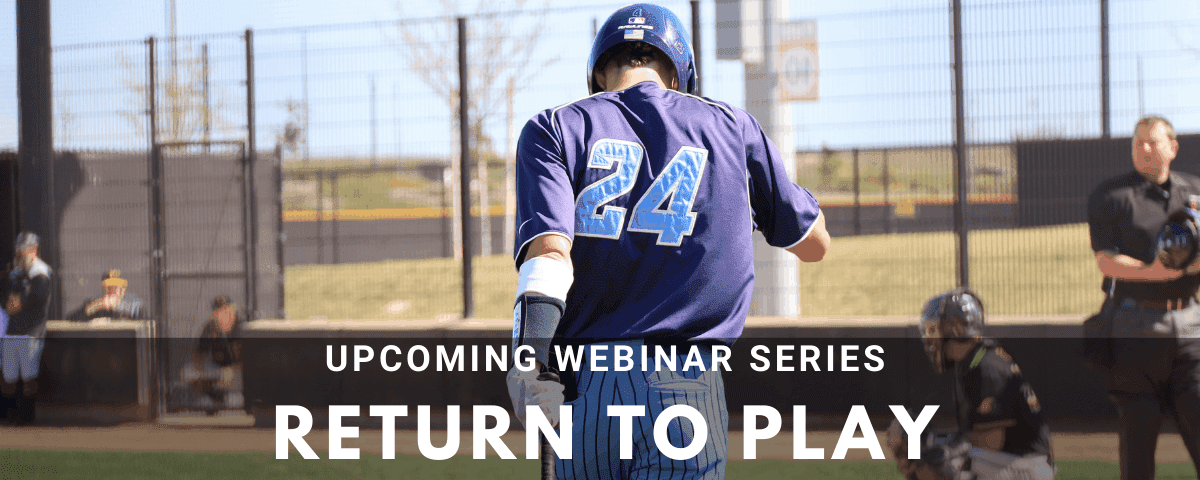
x=545, y=276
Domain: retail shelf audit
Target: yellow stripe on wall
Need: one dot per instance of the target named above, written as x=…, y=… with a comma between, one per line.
x=380, y=214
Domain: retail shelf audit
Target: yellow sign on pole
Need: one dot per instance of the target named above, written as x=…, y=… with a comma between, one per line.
x=798, y=61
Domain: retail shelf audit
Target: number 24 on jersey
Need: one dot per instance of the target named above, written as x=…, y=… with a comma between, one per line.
x=679, y=181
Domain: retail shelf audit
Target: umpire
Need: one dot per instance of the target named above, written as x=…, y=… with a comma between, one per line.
x=1154, y=322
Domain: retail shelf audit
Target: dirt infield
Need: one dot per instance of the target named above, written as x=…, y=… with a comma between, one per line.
x=173, y=438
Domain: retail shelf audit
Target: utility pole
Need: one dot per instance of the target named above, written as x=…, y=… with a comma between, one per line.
x=304, y=86
x=374, y=139
x=207, y=114
x=1141, y=92
x=510, y=174
x=173, y=84
x=777, y=272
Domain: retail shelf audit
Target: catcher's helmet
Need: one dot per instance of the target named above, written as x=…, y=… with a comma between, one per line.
x=1179, y=240
x=652, y=24
x=953, y=314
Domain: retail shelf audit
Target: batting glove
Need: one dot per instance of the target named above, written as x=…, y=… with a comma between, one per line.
x=528, y=388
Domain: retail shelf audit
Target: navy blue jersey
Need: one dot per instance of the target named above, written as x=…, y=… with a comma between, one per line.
x=659, y=192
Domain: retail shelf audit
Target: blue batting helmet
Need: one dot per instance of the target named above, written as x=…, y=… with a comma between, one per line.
x=652, y=24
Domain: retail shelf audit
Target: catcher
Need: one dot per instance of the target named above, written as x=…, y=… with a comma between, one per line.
x=1001, y=433
x=216, y=369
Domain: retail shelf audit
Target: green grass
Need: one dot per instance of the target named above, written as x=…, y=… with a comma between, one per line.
x=917, y=170
x=430, y=287
x=1017, y=272
x=379, y=189
x=67, y=464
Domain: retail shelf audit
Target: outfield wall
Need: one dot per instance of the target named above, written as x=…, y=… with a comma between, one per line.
x=1055, y=177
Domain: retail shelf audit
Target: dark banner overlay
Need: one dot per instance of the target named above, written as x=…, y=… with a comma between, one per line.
x=829, y=384
x=828, y=376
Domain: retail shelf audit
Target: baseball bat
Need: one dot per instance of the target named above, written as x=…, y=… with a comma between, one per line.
x=547, y=457
x=547, y=453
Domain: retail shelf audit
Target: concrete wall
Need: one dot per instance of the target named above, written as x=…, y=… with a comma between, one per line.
x=96, y=372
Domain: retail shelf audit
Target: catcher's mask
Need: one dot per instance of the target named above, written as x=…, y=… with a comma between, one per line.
x=954, y=314
x=1179, y=240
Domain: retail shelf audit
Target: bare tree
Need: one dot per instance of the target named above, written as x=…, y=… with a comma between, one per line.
x=188, y=108
x=65, y=130
x=500, y=49
x=292, y=136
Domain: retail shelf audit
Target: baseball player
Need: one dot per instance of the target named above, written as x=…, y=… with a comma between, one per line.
x=216, y=368
x=635, y=217
x=29, y=288
x=115, y=303
x=1001, y=433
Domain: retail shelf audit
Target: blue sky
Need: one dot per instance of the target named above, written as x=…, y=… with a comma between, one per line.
x=885, y=76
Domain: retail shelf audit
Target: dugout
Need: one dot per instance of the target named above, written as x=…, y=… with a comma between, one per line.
x=184, y=223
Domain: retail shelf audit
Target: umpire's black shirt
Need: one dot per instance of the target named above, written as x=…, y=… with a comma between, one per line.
x=991, y=390
x=1125, y=215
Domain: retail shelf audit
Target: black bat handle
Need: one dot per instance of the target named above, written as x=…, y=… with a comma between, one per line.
x=547, y=453
x=547, y=457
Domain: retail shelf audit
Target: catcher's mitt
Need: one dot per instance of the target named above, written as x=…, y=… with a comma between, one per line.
x=1179, y=241
x=944, y=456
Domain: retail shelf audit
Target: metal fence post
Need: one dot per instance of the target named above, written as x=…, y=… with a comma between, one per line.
x=960, y=151
x=251, y=202
x=696, y=43
x=282, y=237
x=448, y=211
x=1105, y=113
x=154, y=179
x=889, y=223
x=333, y=220
x=464, y=156
x=857, y=196
x=320, y=217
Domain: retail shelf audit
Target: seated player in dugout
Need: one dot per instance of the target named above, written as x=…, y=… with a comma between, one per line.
x=216, y=368
x=1001, y=432
x=114, y=304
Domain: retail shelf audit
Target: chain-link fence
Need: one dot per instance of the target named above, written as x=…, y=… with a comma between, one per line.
x=364, y=118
